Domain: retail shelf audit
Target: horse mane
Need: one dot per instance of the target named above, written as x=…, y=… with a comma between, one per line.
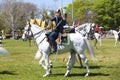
x=37, y=26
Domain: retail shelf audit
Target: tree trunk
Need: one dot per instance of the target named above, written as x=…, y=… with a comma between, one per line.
x=13, y=34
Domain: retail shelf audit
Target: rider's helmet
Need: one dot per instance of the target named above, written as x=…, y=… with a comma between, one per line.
x=58, y=12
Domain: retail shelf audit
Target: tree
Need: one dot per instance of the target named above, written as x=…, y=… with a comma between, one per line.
x=107, y=13
x=81, y=9
x=14, y=14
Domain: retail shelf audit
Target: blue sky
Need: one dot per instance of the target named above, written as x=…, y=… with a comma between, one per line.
x=50, y=4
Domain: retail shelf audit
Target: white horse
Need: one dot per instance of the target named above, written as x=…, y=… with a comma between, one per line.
x=115, y=33
x=88, y=29
x=77, y=44
x=98, y=38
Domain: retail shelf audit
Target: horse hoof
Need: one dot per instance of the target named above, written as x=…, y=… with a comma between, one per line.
x=67, y=67
x=82, y=66
x=50, y=71
x=87, y=75
x=51, y=66
x=65, y=75
x=40, y=64
x=45, y=75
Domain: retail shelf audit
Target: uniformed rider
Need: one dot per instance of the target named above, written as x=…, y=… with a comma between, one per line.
x=58, y=30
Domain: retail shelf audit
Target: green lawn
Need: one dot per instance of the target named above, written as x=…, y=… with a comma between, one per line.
x=20, y=64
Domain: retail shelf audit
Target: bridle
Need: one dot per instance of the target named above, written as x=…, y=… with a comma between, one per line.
x=35, y=35
x=84, y=29
x=27, y=34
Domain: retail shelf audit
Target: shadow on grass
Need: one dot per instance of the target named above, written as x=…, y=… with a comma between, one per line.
x=91, y=67
x=60, y=67
x=83, y=74
x=91, y=74
x=8, y=72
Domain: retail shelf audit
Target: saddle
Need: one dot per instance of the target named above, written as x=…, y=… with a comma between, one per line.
x=64, y=40
x=69, y=30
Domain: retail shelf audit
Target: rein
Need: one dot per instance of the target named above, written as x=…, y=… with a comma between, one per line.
x=39, y=34
x=81, y=32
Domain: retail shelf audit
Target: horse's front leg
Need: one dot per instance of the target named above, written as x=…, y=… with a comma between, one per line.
x=48, y=70
x=41, y=62
x=50, y=61
x=38, y=54
x=115, y=42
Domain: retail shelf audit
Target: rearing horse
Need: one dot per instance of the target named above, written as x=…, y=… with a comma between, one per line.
x=77, y=44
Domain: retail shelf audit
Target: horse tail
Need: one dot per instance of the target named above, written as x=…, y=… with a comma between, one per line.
x=90, y=49
x=3, y=52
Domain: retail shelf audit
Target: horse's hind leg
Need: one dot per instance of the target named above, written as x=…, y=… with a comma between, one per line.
x=69, y=61
x=95, y=42
x=72, y=63
x=100, y=41
x=81, y=65
x=86, y=62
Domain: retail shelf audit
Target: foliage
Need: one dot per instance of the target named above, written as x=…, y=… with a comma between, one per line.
x=81, y=9
x=108, y=13
x=1, y=26
x=14, y=15
x=105, y=13
x=20, y=64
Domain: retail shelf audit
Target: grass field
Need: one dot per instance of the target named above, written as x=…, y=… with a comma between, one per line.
x=20, y=64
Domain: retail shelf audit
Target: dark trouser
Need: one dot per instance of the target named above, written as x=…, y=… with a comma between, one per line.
x=119, y=36
x=52, y=37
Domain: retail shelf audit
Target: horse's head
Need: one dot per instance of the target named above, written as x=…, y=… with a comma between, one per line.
x=27, y=34
x=84, y=28
x=32, y=30
x=92, y=26
x=88, y=27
